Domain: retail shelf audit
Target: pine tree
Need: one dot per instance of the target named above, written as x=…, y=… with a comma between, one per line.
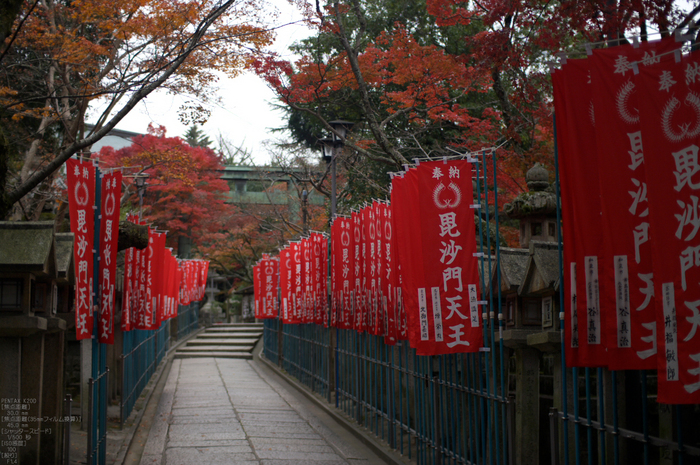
x=196, y=138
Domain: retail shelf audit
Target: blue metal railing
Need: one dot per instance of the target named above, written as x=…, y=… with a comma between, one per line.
x=306, y=351
x=461, y=408
x=143, y=351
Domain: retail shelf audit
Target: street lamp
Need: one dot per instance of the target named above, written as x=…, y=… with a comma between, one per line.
x=140, y=181
x=331, y=147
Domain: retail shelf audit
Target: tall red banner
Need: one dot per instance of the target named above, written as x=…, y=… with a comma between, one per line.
x=449, y=286
x=316, y=266
x=379, y=296
x=397, y=281
x=158, y=267
x=257, y=290
x=390, y=279
x=127, y=293
x=81, y=200
x=581, y=214
x=269, y=288
x=344, y=271
x=404, y=198
x=297, y=283
x=286, y=281
x=670, y=123
x=628, y=308
x=358, y=259
x=109, y=233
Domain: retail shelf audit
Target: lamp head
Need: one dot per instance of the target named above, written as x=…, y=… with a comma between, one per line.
x=341, y=128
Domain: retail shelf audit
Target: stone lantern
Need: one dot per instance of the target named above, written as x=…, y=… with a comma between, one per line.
x=536, y=209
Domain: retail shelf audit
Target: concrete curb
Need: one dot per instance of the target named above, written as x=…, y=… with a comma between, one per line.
x=123, y=451
x=382, y=451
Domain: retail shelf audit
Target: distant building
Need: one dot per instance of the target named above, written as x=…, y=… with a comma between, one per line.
x=116, y=138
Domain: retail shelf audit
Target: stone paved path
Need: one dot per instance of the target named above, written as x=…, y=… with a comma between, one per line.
x=227, y=411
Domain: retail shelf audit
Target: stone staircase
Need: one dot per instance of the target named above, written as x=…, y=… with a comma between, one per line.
x=230, y=340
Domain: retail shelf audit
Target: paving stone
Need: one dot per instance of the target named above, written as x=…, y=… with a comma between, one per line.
x=299, y=456
x=338, y=461
x=265, y=445
x=209, y=455
x=199, y=419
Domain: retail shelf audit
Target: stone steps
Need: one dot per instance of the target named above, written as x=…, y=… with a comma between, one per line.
x=223, y=341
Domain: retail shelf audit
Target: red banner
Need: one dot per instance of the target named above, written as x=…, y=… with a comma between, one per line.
x=379, y=296
x=109, y=233
x=358, y=257
x=158, y=276
x=257, y=290
x=143, y=318
x=297, y=283
x=127, y=293
x=315, y=242
x=390, y=277
x=448, y=289
x=81, y=200
x=670, y=122
x=628, y=308
x=404, y=199
x=581, y=213
x=343, y=270
x=269, y=288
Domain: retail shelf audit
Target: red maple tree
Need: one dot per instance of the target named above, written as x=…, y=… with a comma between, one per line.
x=185, y=193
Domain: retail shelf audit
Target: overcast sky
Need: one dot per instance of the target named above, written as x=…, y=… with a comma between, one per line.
x=244, y=116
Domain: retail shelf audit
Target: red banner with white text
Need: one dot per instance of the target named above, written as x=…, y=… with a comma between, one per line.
x=81, y=202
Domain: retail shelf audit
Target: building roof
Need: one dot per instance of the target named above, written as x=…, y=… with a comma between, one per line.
x=542, y=273
x=64, y=256
x=27, y=246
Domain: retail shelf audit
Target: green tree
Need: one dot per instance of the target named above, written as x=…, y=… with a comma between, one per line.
x=64, y=56
x=196, y=138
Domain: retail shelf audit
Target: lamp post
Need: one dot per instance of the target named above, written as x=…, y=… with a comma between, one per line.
x=140, y=181
x=331, y=148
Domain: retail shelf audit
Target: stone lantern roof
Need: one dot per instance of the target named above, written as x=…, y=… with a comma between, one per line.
x=539, y=200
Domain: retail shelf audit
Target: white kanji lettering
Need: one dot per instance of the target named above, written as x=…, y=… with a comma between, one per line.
x=648, y=291
x=108, y=230
x=686, y=167
x=638, y=196
x=437, y=173
x=693, y=320
x=689, y=257
x=454, y=172
x=82, y=226
x=691, y=388
x=691, y=73
x=82, y=245
x=645, y=354
x=666, y=81
x=457, y=334
x=622, y=65
x=448, y=225
x=452, y=273
x=688, y=218
x=650, y=59
x=636, y=153
x=82, y=323
x=454, y=307
x=641, y=235
x=449, y=252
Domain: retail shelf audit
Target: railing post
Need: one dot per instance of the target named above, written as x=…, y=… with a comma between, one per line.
x=434, y=367
x=90, y=438
x=554, y=435
x=67, y=408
